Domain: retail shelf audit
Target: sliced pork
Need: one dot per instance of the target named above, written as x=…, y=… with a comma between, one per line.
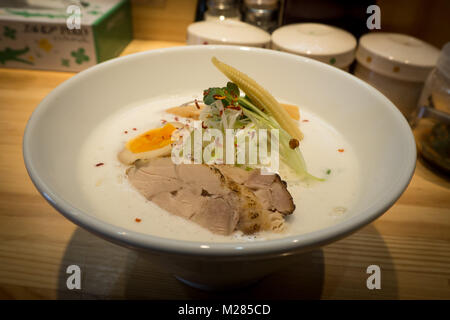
x=220, y=198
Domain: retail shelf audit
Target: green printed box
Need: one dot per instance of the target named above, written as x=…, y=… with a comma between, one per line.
x=64, y=35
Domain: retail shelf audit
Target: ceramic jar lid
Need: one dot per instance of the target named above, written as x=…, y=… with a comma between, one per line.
x=397, y=55
x=318, y=41
x=227, y=32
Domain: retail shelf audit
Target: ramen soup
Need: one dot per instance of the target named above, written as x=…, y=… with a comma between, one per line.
x=113, y=199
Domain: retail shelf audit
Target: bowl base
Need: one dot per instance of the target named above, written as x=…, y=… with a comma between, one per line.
x=215, y=287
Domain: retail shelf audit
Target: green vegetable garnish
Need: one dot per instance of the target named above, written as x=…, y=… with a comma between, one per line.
x=227, y=109
x=261, y=98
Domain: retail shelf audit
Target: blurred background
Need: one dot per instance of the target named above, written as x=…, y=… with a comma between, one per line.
x=425, y=19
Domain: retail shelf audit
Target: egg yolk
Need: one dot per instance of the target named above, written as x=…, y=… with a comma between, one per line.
x=151, y=140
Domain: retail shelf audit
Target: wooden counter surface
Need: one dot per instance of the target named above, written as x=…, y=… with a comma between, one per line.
x=410, y=243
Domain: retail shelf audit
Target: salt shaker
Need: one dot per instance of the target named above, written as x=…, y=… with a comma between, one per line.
x=222, y=9
x=262, y=13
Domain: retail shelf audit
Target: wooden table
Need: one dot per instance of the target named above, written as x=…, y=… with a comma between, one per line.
x=410, y=243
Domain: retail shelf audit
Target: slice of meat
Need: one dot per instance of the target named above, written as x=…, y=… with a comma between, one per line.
x=220, y=198
x=270, y=190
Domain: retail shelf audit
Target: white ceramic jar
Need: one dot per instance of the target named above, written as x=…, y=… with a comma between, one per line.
x=317, y=41
x=397, y=65
x=227, y=32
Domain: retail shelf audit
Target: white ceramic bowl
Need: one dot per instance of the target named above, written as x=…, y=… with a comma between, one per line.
x=378, y=132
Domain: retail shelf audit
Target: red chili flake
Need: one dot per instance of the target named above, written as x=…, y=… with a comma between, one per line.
x=163, y=121
x=234, y=107
x=196, y=104
x=176, y=118
x=134, y=129
x=99, y=164
x=204, y=126
x=137, y=220
x=221, y=112
x=341, y=150
x=125, y=132
x=206, y=92
x=306, y=120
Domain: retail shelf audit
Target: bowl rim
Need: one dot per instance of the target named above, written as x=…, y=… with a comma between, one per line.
x=286, y=245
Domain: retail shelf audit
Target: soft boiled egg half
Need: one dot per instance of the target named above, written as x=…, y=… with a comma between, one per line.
x=148, y=145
